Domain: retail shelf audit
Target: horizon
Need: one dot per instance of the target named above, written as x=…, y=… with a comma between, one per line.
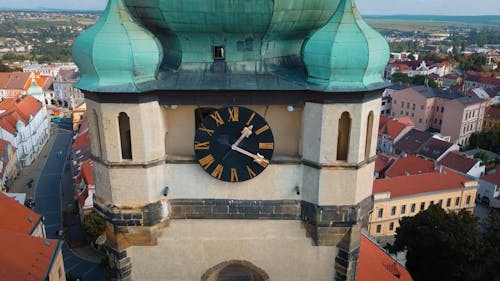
x=366, y=7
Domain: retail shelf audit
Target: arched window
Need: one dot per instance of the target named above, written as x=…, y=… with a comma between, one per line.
x=235, y=270
x=125, y=140
x=343, y=136
x=369, y=134
x=96, y=133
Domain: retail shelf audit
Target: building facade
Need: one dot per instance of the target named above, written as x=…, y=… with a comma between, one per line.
x=463, y=117
x=390, y=131
x=24, y=123
x=404, y=196
x=168, y=181
x=65, y=94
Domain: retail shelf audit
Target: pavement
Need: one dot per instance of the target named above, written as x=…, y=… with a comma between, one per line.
x=52, y=179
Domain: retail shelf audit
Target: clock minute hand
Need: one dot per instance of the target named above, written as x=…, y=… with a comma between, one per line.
x=245, y=133
x=256, y=157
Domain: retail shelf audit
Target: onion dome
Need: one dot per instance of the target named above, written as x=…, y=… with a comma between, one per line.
x=346, y=54
x=116, y=53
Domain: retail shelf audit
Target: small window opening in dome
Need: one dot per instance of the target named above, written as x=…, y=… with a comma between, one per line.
x=219, y=53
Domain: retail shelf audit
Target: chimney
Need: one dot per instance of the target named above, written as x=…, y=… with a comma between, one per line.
x=406, y=173
x=404, y=154
x=439, y=168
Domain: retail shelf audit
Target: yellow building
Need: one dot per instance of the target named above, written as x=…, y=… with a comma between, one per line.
x=399, y=197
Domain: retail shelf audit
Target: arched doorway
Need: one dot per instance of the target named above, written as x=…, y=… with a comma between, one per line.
x=235, y=270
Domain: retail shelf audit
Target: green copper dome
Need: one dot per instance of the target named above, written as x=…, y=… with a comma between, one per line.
x=346, y=53
x=116, y=52
x=34, y=89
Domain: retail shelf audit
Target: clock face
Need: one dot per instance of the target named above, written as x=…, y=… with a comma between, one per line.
x=234, y=144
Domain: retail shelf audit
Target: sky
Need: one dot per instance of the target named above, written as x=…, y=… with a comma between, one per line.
x=366, y=7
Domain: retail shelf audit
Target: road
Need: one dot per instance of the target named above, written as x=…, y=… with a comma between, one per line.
x=49, y=204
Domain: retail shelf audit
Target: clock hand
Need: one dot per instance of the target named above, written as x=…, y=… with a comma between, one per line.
x=245, y=133
x=256, y=157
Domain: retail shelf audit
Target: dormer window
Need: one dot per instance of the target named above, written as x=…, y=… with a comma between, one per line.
x=219, y=53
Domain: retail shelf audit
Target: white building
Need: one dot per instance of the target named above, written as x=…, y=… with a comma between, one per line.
x=65, y=94
x=24, y=123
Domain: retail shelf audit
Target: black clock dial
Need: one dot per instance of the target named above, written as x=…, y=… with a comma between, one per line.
x=234, y=144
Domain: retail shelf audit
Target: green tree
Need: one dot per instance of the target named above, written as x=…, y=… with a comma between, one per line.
x=441, y=246
x=486, y=140
x=93, y=225
x=433, y=83
x=401, y=78
x=492, y=249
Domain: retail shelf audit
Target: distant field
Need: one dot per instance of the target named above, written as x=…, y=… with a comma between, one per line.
x=430, y=24
x=409, y=26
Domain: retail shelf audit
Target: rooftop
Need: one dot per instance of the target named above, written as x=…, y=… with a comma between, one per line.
x=434, y=148
x=410, y=165
x=25, y=257
x=413, y=141
x=19, y=219
x=393, y=127
x=247, y=45
x=376, y=265
x=492, y=113
x=420, y=183
x=383, y=162
x=494, y=177
x=458, y=161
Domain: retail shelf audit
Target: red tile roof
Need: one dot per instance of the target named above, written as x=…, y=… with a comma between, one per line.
x=458, y=161
x=422, y=183
x=493, y=113
x=25, y=257
x=16, y=217
x=19, y=80
x=493, y=178
x=410, y=165
x=87, y=173
x=376, y=265
x=393, y=127
x=18, y=109
x=383, y=162
x=4, y=79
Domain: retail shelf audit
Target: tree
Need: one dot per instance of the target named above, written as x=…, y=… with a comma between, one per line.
x=401, y=78
x=441, y=246
x=492, y=249
x=93, y=225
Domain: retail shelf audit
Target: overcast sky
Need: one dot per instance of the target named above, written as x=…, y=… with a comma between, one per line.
x=372, y=7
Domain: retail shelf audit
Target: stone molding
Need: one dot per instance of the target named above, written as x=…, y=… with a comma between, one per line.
x=246, y=97
x=326, y=225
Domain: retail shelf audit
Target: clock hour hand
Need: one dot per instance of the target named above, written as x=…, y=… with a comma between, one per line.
x=245, y=133
x=256, y=157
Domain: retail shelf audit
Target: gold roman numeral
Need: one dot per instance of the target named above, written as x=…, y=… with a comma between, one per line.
x=217, y=172
x=201, y=145
x=204, y=129
x=251, y=173
x=218, y=119
x=266, y=145
x=262, y=130
x=234, y=175
x=206, y=161
x=250, y=119
x=233, y=114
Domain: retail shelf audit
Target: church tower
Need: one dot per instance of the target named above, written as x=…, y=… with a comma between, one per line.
x=232, y=140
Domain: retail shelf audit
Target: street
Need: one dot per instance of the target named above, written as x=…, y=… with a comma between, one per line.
x=49, y=203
